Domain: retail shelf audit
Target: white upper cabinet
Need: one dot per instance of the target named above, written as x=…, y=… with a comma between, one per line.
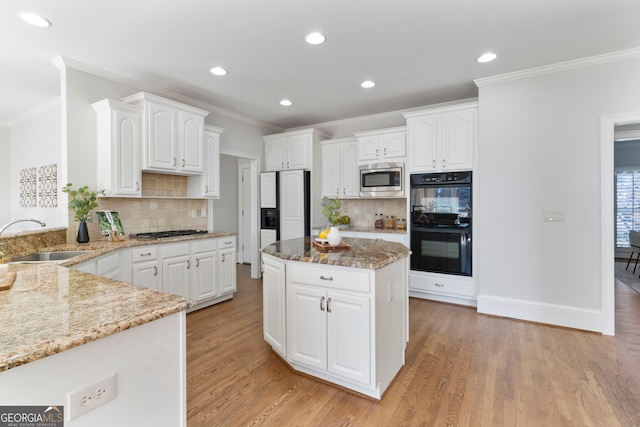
x=118, y=148
x=290, y=150
x=208, y=184
x=442, y=139
x=173, y=135
x=340, y=175
x=382, y=145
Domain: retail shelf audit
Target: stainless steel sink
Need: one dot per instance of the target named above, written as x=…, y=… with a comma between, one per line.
x=48, y=256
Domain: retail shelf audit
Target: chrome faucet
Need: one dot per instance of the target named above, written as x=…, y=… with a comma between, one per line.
x=42, y=224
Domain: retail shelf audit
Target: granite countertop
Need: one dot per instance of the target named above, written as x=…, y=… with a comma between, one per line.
x=101, y=247
x=51, y=308
x=364, y=253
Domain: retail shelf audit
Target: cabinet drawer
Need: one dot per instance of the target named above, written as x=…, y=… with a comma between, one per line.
x=175, y=249
x=227, y=242
x=144, y=253
x=108, y=263
x=204, y=245
x=333, y=278
x=443, y=285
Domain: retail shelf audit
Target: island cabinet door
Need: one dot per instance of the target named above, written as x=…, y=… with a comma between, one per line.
x=307, y=326
x=274, y=303
x=348, y=337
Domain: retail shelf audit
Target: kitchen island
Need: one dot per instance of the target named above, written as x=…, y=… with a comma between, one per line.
x=341, y=316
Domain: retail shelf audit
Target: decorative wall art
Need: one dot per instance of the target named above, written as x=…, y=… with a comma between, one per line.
x=48, y=186
x=28, y=188
x=39, y=187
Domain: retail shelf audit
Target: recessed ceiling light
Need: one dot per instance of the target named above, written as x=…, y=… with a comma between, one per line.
x=33, y=19
x=487, y=57
x=367, y=84
x=218, y=71
x=286, y=103
x=315, y=38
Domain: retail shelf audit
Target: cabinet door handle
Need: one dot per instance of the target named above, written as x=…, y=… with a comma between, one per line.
x=188, y=264
x=137, y=186
x=433, y=163
x=287, y=165
x=174, y=161
x=282, y=165
x=377, y=152
x=330, y=278
x=328, y=305
x=197, y=262
x=344, y=191
x=182, y=162
x=385, y=151
x=223, y=257
x=206, y=188
x=322, y=304
x=443, y=162
x=155, y=270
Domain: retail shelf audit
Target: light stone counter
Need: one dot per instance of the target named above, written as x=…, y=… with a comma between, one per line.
x=364, y=253
x=51, y=308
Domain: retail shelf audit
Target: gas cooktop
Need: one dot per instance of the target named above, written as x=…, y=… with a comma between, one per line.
x=167, y=234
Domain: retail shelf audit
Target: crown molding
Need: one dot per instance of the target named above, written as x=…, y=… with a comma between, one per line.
x=560, y=66
x=388, y=114
x=63, y=62
x=40, y=109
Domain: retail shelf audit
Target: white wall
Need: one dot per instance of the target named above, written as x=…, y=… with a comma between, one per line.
x=35, y=142
x=539, y=149
x=225, y=209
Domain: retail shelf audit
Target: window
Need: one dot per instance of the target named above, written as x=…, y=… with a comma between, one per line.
x=627, y=205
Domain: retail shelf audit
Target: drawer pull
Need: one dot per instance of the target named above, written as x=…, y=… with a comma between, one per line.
x=147, y=254
x=330, y=278
x=322, y=304
x=441, y=285
x=229, y=242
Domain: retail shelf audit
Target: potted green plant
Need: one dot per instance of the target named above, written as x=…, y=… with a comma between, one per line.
x=331, y=209
x=82, y=201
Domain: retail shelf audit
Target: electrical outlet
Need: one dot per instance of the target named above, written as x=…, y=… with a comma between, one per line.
x=88, y=398
x=203, y=212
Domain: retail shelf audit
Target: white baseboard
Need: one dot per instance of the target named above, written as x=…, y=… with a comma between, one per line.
x=534, y=311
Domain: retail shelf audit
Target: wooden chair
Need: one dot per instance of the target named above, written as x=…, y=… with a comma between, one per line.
x=634, y=241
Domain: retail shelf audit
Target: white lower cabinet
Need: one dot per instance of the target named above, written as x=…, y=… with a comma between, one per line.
x=273, y=304
x=107, y=265
x=176, y=264
x=345, y=325
x=204, y=269
x=329, y=330
x=227, y=264
x=443, y=287
x=145, y=267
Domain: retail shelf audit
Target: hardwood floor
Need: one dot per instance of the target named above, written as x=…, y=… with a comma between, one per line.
x=461, y=368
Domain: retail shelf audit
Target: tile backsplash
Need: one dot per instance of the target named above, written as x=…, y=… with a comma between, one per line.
x=362, y=211
x=170, y=210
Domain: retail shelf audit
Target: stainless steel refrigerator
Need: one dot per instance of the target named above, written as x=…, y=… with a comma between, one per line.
x=284, y=201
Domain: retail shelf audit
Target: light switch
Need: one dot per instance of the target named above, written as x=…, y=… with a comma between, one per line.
x=554, y=215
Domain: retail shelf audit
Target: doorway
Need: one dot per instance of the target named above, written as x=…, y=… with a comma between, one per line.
x=607, y=228
x=244, y=212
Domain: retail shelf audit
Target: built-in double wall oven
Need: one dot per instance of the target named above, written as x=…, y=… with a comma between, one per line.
x=441, y=222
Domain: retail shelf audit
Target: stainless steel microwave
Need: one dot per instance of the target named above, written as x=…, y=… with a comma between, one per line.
x=382, y=180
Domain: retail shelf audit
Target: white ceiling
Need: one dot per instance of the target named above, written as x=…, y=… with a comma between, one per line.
x=419, y=52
